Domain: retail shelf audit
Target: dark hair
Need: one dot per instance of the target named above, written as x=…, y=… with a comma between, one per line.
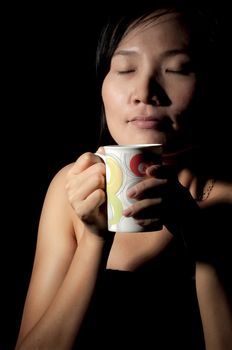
x=200, y=21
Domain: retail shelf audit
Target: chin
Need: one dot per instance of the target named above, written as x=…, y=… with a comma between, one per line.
x=147, y=140
x=146, y=137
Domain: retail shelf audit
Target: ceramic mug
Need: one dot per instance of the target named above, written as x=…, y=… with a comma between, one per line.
x=125, y=166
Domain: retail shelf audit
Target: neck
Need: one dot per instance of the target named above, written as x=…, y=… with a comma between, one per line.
x=181, y=156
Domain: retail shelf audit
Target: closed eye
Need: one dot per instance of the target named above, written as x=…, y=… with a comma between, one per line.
x=185, y=70
x=179, y=71
x=127, y=71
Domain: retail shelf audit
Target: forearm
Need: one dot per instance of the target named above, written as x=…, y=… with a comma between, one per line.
x=60, y=324
x=207, y=240
x=214, y=307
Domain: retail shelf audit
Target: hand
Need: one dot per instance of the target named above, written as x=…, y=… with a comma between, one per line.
x=149, y=193
x=86, y=191
x=160, y=199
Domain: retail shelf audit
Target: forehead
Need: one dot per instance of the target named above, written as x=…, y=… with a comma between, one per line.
x=161, y=29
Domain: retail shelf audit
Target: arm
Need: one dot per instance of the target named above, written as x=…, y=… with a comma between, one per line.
x=213, y=275
x=214, y=308
x=63, y=277
x=205, y=229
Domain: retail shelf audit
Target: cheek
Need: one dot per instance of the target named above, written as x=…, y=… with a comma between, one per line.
x=114, y=95
x=183, y=97
x=113, y=104
x=111, y=98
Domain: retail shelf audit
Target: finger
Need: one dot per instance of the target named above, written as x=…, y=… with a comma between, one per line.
x=148, y=187
x=153, y=170
x=87, y=207
x=145, y=208
x=83, y=162
x=88, y=186
x=80, y=186
x=162, y=171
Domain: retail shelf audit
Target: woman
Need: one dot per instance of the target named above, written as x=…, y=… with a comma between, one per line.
x=155, y=289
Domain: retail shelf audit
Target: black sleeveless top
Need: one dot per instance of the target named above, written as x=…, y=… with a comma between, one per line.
x=154, y=307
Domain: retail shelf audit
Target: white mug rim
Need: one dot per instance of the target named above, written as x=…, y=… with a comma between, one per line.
x=133, y=146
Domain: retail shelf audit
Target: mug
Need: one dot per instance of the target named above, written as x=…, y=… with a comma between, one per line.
x=125, y=166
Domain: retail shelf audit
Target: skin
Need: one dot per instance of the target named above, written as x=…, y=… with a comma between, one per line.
x=144, y=82
x=73, y=242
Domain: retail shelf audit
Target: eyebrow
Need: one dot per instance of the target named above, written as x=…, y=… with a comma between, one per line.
x=166, y=54
x=175, y=52
x=125, y=52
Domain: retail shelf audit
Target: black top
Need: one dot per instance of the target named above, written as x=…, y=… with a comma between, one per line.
x=154, y=307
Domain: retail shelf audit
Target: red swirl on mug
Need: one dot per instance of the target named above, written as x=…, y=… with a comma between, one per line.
x=138, y=166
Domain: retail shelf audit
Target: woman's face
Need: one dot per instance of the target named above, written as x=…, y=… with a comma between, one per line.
x=151, y=84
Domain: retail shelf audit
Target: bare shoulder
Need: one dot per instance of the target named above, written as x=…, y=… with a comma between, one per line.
x=223, y=191
x=59, y=178
x=220, y=196
x=217, y=207
x=56, y=189
x=56, y=209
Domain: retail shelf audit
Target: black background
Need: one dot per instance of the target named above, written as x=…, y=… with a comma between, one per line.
x=48, y=119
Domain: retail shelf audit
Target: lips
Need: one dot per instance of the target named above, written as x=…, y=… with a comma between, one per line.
x=145, y=122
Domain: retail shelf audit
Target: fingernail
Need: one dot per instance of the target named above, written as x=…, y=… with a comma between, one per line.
x=127, y=212
x=152, y=170
x=131, y=192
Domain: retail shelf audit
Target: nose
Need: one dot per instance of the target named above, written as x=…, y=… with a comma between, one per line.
x=149, y=91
